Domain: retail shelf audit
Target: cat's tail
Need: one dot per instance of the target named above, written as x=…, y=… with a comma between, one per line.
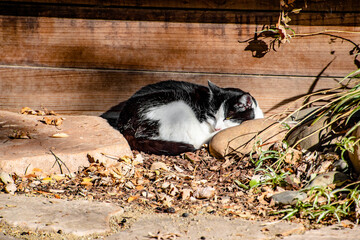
x=158, y=147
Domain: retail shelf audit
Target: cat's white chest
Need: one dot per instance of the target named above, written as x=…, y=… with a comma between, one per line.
x=178, y=123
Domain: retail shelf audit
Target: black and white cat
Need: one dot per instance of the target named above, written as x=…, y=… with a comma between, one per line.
x=172, y=117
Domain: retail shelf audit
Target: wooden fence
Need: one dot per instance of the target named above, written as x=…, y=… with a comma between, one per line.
x=85, y=56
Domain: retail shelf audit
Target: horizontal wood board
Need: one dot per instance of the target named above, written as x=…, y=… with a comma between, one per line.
x=169, y=46
x=325, y=16
x=93, y=92
x=254, y=5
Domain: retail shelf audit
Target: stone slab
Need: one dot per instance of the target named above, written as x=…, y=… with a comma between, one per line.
x=86, y=135
x=334, y=232
x=242, y=138
x=78, y=217
x=204, y=227
x=81, y=219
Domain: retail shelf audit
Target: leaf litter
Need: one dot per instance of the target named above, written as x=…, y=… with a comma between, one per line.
x=190, y=183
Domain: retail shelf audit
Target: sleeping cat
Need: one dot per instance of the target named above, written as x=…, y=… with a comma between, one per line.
x=172, y=117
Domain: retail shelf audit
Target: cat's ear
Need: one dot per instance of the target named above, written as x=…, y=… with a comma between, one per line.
x=213, y=88
x=244, y=102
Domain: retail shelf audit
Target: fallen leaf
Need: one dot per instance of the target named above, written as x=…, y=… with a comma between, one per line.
x=192, y=157
x=47, y=180
x=60, y=135
x=6, y=178
x=160, y=235
x=20, y=134
x=177, y=168
x=296, y=10
x=10, y=188
x=139, y=159
x=132, y=198
x=173, y=190
x=207, y=192
x=158, y=166
x=46, y=120
x=31, y=175
x=52, y=121
x=86, y=182
x=347, y=224
x=121, y=170
x=10, y=206
x=25, y=110
x=29, y=111
x=293, y=156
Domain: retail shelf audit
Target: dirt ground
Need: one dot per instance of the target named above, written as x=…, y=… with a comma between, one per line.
x=185, y=189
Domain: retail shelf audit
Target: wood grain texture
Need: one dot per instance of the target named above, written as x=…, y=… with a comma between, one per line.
x=86, y=56
x=93, y=92
x=319, y=16
x=168, y=46
x=273, y=5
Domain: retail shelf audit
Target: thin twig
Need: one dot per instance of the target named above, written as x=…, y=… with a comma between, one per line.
x=59, y=162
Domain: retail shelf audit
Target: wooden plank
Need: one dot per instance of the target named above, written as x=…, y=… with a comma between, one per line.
x=168, y=46
x=324, y=16
x=209, y=4
x=93, y=92
x=273, y=5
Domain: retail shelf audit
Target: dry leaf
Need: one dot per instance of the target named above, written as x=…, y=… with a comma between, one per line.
x=173, y=190
x=20, y=134
x=91, y=159
x=179, y=169
x=58, y=177
x=60, y=135
x=86, y=182
x=46, y=120
x=293, y=156
x=160, y=235
x=31, y=175
x=46, y=180
x=121, y=170
x=139, y=159
x=29, y=111
x=6, y=178
x=10, y=188
x=347, y=224
x=192, y=157
x=159, y=166
x=132, y=198
x=296, y=10
x=52, y=121
x=207, y=192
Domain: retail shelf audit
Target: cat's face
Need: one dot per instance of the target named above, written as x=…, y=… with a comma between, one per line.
x=236, y=107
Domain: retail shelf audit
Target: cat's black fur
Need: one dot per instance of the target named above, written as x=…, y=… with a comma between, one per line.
x=142, y=133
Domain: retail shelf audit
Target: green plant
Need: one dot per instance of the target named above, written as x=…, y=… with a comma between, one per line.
x=347, y=144
x=268, y=163
x=323, y=203
x=341, y=105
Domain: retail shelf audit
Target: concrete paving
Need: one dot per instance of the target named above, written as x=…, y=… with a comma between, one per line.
x=82, y=219
x=204, y=227
x=335, y=232
x=84, y=135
